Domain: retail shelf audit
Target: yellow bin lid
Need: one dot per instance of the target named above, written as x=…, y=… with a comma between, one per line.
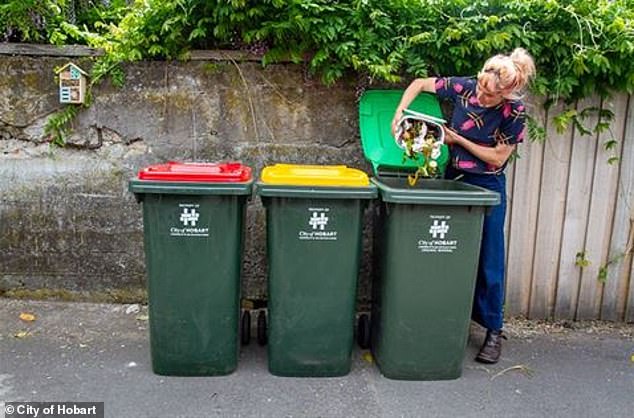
x=314, y=175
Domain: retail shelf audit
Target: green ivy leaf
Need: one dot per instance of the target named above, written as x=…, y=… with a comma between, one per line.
x=536, y=131
x=581, y=260
x=563, y=120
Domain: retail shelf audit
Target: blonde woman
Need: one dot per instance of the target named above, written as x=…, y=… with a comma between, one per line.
x=487, y=124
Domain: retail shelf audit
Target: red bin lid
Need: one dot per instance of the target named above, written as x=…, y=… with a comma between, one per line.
x=230, y=172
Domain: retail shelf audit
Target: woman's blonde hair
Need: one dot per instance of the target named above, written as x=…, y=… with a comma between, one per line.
x=512, y=72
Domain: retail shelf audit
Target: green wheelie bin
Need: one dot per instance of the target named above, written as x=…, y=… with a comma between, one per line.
x=193, y=231
x=314, y=218
x=427, y=244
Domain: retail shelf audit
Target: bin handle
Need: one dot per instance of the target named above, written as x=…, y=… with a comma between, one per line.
x=412, y=114
x=424, y=117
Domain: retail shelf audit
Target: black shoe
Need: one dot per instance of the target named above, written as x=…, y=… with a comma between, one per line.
x=492, y=348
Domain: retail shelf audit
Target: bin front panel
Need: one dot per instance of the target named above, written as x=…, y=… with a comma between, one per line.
x=424, y=288
x=313, y=255
x=193, y=252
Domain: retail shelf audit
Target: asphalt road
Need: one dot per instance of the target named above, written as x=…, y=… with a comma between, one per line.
x=100, y=352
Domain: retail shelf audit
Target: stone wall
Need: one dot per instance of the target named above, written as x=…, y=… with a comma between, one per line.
x=67, y=220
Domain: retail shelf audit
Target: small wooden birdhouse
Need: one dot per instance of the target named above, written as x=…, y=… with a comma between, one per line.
x=72, y=84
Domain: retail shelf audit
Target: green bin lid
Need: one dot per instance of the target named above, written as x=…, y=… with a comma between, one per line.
x=434, y=192
x=376, y=110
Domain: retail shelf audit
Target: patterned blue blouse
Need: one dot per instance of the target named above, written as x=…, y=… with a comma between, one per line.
x=486, y=126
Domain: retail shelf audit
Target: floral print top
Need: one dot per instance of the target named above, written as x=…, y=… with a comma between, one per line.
x=486, y=126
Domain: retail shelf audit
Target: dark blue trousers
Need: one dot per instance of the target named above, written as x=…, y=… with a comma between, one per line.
x=488, y=302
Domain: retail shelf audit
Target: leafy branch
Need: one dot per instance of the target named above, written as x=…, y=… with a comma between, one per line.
x=629, y=247
x=58, y=125
x=577, y=118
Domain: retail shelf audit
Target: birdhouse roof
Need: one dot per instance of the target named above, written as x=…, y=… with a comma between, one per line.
x=70, y=64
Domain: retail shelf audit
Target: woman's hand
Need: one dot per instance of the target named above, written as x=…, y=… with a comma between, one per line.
x=397, y=117
x=451, y=136
x=495, y=156
x=410, y=93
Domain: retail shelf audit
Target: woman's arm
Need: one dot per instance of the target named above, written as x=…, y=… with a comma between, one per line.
x=495, y=156
x=419, y=85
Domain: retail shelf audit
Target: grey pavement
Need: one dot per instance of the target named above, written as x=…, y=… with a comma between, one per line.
x=100, y=352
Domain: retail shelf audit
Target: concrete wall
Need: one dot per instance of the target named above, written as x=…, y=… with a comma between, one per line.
x=67, y=221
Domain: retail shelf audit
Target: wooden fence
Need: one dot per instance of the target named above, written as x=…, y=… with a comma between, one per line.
x=569, y=207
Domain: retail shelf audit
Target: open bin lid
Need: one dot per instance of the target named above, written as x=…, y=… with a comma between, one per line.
x=336, y=181
x=376, y=110
x=194, y=178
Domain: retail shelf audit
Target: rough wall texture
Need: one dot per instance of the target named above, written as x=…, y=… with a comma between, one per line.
x=67, y=220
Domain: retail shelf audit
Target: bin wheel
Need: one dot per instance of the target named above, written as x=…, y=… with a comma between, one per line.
x=262, y=328
x=245, y=328
x=363, y=331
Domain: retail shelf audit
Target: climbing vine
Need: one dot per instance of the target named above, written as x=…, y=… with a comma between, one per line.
x=581, y=47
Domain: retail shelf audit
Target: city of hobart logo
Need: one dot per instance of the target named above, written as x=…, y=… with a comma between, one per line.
x=189, y=218
x=439, y=242
x=318, y=219
x=439, y=229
